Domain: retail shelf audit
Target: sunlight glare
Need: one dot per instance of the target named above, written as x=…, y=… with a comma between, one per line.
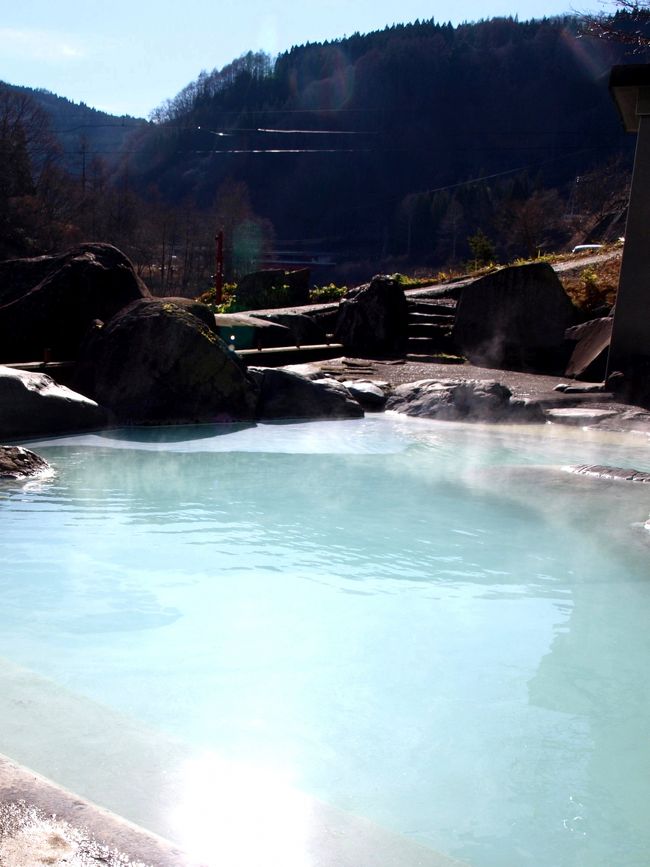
x=242, y=815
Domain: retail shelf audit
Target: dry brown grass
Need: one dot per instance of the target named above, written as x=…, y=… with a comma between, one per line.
x=589, y=286
x=594, y=286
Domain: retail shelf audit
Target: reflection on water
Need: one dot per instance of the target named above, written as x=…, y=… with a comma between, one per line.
x=427, y=624
x=172, y=433
x=595, y=670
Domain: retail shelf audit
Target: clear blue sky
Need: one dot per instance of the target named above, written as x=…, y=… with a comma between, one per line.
x=128, y=56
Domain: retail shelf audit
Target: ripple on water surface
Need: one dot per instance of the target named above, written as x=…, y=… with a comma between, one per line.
x=427, y=624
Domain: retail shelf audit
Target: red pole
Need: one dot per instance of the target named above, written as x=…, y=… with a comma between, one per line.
x=219, y=272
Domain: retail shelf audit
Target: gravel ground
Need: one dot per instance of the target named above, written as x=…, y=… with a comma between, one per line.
x=397, y=372
x=582, y=408
x=411, y=369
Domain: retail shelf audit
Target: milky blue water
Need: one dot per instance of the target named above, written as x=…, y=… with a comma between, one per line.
x=430, y=625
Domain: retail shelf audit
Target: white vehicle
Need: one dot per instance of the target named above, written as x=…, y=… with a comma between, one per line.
x=582, y=247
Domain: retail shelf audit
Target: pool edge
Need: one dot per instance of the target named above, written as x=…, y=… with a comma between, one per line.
x=19, y=785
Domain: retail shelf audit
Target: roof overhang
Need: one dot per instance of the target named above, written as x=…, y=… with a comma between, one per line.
x=630, y=87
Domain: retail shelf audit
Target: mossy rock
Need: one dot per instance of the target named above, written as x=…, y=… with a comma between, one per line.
x=155, y=362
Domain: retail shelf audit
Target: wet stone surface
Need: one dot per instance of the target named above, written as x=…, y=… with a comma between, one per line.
x=17, y=462
x=28, y=836
x=618, y=473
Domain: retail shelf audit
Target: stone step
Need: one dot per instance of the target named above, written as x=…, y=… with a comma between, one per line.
x=427, y=345
x=434, y=307
x=431, y=319
x=428, y=329
x=435, y=358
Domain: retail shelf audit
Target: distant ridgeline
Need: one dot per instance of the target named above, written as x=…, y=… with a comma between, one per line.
x=420, y=144
x=83, y=132
x=392, y=139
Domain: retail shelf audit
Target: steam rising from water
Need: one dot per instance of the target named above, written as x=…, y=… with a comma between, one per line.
x=424, y=623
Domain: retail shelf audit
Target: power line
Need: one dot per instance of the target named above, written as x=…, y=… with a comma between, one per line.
x=377, y=150
x=312, y=131
x=405, y=150
x=234, y=130
x=459, y=184
x=287, y=151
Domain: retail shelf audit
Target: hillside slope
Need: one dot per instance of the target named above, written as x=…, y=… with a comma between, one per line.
x=83, y=132
x=400, y=142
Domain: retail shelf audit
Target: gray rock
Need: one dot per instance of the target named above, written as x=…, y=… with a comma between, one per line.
x=287, y=395
x=611, y=473
x=304, y=330
x=32, y=404
x=370, y=395
x=580, y=415
x=525, y=410
x=515, y=317
x=17, y=462
x=244, y=331
x=196, y=308
x=461, y=400
x=589, y=357
x=586, y=388
x=49, y=302
x=157, y=363
x=308, y=370
x=373, y=318
x=325, y=316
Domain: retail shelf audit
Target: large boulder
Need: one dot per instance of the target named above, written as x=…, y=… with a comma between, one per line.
x=462, y=400
x=515, y=317
x=325, y=316
x=287, y=395
x=373, y=318
x=155, y=362
x=371, y=395
x=17, y=462
x=49, y=302
x=196, y=308
x=32, y=404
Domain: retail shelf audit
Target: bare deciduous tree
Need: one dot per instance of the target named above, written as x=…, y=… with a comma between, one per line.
x=628, y=24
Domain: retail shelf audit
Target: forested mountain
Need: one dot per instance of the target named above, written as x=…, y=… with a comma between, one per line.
x=400, y=142
x=82, y=132
x=61, y=171
x=374, y=152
